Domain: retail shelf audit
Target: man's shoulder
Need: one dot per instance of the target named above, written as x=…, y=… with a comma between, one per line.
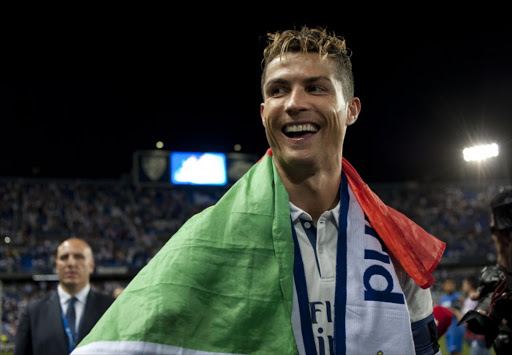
x=42, y=303
x=101, y=295
x=98, y=296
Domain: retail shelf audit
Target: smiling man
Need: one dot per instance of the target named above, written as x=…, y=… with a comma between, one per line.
x=56, y=323
x=306, y=115
x=349, y=287
x=299, y=256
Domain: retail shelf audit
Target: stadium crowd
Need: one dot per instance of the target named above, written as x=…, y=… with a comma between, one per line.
x=126, y=225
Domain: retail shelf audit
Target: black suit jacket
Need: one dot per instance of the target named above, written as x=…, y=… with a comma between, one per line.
x=40, y=328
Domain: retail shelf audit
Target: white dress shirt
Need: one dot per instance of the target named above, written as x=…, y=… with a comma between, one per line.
x=81, y=297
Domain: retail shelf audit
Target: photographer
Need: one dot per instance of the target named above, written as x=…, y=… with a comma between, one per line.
x=492, y=316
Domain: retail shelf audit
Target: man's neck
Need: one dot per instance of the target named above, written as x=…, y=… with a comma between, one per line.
x=72, y=289
x=314, y=194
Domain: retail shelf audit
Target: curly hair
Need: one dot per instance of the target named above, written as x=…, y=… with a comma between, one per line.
x=316, y=40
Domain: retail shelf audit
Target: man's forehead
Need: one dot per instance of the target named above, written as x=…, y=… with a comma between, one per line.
x=74, y=247
x=305, y=61
x=71, y=251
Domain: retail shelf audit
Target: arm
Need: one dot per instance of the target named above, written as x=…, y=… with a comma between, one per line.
x=23, y=338
x=457, y=307
x=423, y=325
x=424, y=333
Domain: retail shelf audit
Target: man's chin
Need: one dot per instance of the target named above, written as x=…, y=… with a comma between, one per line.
x=298, y=157
x=297, y=165
x=69, y=283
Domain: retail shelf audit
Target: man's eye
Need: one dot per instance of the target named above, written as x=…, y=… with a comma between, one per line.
x=276, y=91
x=316, y=89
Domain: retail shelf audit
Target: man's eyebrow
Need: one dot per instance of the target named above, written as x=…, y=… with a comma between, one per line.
x=276, y=81
x=309, y=80
x=316, y=78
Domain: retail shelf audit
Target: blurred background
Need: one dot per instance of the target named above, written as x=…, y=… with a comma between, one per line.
x=95, y=102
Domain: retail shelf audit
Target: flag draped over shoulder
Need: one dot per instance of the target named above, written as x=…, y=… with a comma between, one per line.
x=418, y=252
x=224, y=282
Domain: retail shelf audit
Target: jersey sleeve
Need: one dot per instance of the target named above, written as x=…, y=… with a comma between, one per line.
x=421, y=313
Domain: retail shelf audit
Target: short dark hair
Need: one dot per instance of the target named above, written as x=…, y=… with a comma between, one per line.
x=316, y=40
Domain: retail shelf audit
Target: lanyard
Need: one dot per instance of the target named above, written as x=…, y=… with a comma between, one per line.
x=340, y=296
x=72, y=338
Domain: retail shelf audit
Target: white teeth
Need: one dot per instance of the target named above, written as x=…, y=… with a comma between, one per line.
x=300, y=128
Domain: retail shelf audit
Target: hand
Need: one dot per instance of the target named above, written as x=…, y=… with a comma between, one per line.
x=474, y=295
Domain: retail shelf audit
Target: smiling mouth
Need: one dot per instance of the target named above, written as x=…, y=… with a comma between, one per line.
x=299, y=130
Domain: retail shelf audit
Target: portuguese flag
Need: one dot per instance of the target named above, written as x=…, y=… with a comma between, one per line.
x=224, y=282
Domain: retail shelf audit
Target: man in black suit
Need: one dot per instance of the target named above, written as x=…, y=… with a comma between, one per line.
x=59, y=321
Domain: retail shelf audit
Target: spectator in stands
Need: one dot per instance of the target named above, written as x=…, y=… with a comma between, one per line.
x=138, y=229
x=225, y=282
x=56, y=323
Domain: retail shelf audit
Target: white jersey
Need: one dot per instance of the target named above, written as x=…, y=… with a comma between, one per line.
x=350, y=296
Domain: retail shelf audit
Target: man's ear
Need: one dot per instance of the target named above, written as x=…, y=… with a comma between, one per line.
x=91, y=266
x=354, y=108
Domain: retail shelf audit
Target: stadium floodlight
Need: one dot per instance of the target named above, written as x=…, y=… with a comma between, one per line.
x=481, y=152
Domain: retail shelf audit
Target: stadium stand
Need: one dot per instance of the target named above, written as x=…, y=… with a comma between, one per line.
x=126, y=225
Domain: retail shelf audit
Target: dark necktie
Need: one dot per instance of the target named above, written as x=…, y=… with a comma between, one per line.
x=71, y=316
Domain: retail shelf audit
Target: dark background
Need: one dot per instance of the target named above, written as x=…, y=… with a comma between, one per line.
x=81, y=90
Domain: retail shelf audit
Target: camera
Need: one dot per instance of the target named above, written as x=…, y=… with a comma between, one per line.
x=492, y=316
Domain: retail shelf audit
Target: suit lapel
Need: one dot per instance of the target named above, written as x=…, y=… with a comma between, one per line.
x=54, y=317
x=87, y=320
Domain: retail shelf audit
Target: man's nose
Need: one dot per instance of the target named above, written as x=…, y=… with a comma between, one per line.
x=296, y=101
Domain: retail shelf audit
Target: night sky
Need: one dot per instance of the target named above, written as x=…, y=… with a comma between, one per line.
x=80, y=94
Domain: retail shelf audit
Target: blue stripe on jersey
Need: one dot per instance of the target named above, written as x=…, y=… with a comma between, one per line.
x=340, y=300
x=303, y=300
x=311, y=233
x=424, y=333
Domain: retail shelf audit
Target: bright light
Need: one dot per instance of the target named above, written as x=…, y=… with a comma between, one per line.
x=481, y=152
x=7, y=240
x=159, y=144
x=202, y=169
